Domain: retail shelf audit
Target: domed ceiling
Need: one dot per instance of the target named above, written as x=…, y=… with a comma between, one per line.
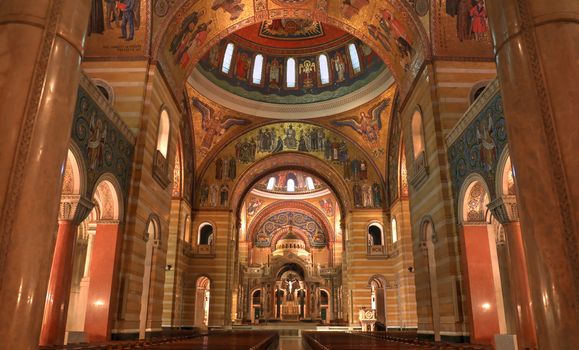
x=289, y=62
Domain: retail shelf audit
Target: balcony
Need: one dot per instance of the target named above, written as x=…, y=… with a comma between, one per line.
x=160, y=169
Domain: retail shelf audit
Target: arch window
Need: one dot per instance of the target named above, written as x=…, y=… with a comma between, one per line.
x=394, y=230
x=227, y=57
x=163, y=136
x=324, y=69
x=354, y=59
x=205, y=236
x=375, y=235
x=257, y=69
x=290, y=71
x=417, y=134
x=310, y=183
x=291, y=185
x=271, y=183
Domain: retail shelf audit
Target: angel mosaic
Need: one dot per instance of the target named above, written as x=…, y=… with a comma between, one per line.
x=233, y=7
x=189, y=38
x=393, y=36
x=306, y=70
x=213, y=125
x=368, y=125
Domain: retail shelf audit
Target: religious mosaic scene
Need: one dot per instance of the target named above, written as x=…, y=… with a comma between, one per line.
x=289, y=174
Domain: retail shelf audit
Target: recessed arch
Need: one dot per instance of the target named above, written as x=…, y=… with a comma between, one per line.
x=206, y=233
x=418, y=141
x=291, y=161
x=363, y=25
x=473, y=199
x=505, y=183
x=163, y=132
x=74, y=177
x=107, y=194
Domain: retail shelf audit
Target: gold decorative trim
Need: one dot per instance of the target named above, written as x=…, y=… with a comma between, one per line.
x=473, y=111
x=92, y=90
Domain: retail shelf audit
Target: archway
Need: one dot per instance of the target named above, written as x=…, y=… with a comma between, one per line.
x=480, y=260
x=185, y=17
x=427, y=245
x=93, y=276
x=377, y=286
x=202, y=301
x=152, y=239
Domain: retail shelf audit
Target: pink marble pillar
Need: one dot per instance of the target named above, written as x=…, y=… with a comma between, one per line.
x=74, y=209
x=479, y=279
x=103, y=281
x=40, y=50
x=536, y=53
x=521, y=294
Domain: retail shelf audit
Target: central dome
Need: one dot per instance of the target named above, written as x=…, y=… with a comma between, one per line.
x=281, y=67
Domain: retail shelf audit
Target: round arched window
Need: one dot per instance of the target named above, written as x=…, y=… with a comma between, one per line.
x=375, y=234
x=205, y=234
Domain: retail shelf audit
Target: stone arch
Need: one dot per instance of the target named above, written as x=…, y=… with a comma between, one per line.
x=505, y=184
x=286, y=161
x=105, y=89
x=155, y=222
x=378, y=285
x=220, y=24
x=277, y=207
x=202, y=300
x=477, y=90
x=74, y=179
x=380, y=225
x=428, y=239
x=107, y=195
x=473, y=199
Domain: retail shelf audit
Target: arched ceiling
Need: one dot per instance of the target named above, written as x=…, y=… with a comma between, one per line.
x=390, y=28
x=328, y=64
x=442, y=29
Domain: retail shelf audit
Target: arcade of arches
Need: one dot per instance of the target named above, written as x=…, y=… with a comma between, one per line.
x=360, y=164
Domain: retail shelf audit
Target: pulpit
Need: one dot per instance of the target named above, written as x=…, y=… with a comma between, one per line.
x=367, y=319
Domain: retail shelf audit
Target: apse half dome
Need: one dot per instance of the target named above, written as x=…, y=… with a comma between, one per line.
x=291, y=68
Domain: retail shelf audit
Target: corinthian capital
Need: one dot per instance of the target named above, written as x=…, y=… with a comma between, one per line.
x=74, y=208
x=505, y=209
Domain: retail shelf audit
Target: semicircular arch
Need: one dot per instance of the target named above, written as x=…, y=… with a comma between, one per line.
x=290, y=213
x=291, y=161
x=212, y=21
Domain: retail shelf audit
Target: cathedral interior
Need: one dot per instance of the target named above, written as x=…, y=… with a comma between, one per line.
x=289, y=174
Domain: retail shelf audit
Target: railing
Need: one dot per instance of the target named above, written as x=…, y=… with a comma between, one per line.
x=160, y=169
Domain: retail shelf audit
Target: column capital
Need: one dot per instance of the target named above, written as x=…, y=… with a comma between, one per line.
x=505, y=209
x=74, y=208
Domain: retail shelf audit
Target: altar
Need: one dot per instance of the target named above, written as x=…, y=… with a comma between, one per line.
x=290, y=311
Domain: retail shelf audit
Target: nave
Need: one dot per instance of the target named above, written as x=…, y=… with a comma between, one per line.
x=271, y=340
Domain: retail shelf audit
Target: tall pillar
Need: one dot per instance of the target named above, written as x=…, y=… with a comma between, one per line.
x=73, y=210
x=505, y=210
x=536, y=55
x=100, y=304
x=478, y=275
x=41, y=45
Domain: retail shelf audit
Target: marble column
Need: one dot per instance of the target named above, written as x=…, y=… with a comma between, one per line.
x=536, y=53
x=73, y=210
x=479, y=281
x=505, y=210
x=104, y=271
x=40, y=50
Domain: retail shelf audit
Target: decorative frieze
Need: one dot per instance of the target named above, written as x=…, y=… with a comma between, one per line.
x=74, y=208
x=505, y=209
